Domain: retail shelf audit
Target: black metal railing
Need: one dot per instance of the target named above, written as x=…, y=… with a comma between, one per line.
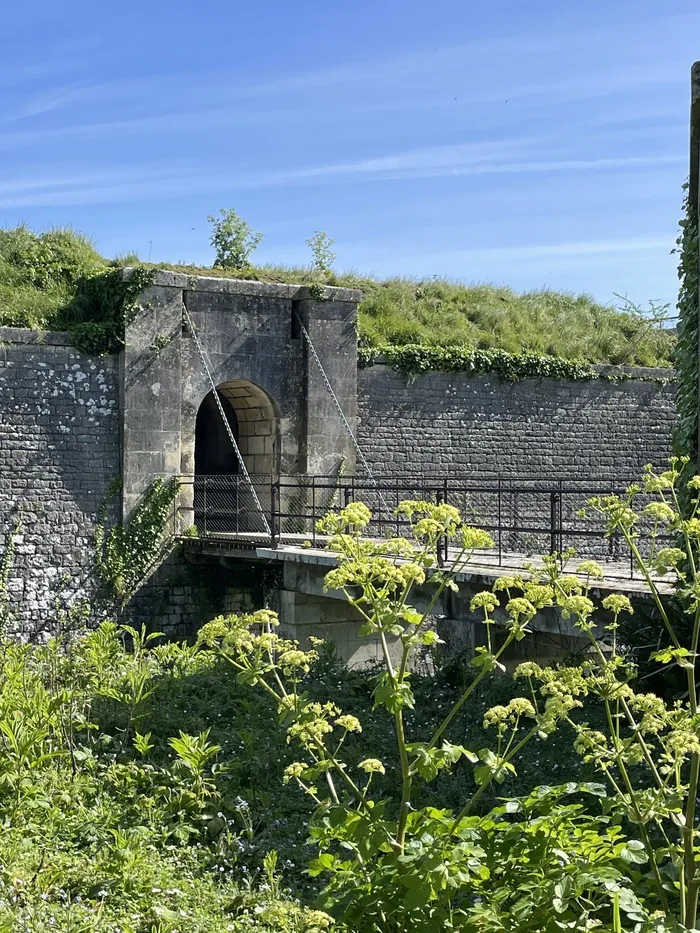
x=531, y=516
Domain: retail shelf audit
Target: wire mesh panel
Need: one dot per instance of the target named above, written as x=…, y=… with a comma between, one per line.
x=225, y=505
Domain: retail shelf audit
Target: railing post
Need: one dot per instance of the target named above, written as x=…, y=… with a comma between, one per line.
x=313, y=509
x=500, y=523
x=560, y=517
x=275, y=512
x=445, y=540
x=442, y=540
x=236, y=497
x=553, y=500
x=205, y=505
x=397, y=526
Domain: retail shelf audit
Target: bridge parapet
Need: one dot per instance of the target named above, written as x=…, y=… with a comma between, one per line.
x=307, y=609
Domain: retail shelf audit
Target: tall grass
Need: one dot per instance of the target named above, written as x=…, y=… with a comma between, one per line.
x=40, y=275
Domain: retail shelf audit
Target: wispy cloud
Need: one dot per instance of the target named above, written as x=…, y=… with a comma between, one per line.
x=475, y=67
x=558, y=250
x=420, y=166
x=435, y=162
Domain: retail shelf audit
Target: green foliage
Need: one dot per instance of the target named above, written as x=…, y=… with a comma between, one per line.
x=77, y=289
x=321, y=246
x=394, y=859
x=126, y=554
x=569, y=868
x=47, y=260
x=107, y=829
x=416, y=359
x=437, y=312
x=57, y=280
x=40, y=273
x=686, y=355
x=139, y=784
x=103, y=307
x=233, y=239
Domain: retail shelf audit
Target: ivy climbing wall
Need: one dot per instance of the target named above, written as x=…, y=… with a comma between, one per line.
x=687, y=436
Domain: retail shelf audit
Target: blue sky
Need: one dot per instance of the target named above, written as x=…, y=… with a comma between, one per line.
x=527, y=143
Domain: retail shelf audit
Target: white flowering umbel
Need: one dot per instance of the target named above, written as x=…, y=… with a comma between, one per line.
x=379, y=578
x=649, y=750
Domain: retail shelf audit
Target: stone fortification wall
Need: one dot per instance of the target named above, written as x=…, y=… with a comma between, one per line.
x=59, y=454
x=530, y=453
x=70, y=425
x=450, y=423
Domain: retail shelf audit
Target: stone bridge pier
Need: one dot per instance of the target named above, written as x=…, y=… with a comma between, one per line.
x=295, y=589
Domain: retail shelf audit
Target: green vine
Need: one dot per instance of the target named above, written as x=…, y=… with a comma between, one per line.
x=103, y=308
x=686, y=434
x=7, y=559
x=126, y=554
x=416, y=359
x=334, y=498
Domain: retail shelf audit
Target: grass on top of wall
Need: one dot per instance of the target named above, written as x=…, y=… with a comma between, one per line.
x=41, y=275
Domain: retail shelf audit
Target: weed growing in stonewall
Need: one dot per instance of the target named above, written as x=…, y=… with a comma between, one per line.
x=321, y=246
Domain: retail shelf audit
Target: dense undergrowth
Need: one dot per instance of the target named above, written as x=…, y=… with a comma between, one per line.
x=57, y=280
x=108, y=827
x=150, y=787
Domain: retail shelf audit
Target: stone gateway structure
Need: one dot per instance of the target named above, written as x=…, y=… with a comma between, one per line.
x=71, y=426
x=275, y=400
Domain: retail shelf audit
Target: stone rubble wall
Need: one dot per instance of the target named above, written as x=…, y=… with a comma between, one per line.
x=532, y=452
x=450, y=423
x=59, y=454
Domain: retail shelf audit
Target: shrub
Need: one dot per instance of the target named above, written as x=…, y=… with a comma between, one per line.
x=114, y=819
x=321, y=246
x=233, y=239
x=40, y=272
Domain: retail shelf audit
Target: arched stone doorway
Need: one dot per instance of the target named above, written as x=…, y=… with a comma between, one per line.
x=213, y=452
x=257, y=426
x=222, y=499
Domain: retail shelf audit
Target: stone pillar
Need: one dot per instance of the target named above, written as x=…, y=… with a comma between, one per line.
x=287, y=418
x=332, y=326
x=151, y=393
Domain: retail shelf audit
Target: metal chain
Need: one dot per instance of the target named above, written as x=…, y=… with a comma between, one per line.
x=361, y=456
x=235, y=446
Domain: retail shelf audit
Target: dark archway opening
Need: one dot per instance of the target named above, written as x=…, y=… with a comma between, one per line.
x=223, y=499
x=213, y=451
x=216, y=467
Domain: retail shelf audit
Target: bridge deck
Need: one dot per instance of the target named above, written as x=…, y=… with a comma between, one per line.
x=487, y=565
